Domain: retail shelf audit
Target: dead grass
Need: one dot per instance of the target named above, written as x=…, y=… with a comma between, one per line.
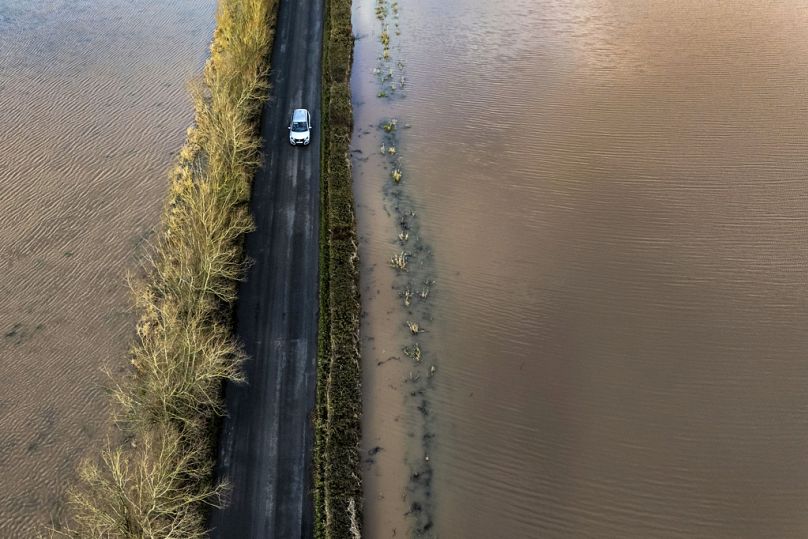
x=399, y=261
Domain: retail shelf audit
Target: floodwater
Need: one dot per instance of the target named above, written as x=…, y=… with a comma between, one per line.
x=93, y=106
x=615, y=197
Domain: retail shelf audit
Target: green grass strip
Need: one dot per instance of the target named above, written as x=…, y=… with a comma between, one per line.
x=160, y=482
x=338, y=482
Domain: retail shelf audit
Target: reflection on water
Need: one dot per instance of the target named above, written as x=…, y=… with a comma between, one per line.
x=93, y=102
x=616, y=197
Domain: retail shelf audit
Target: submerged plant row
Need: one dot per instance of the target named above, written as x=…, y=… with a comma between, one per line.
x=338, y=483
x=414, y=283
x=159, y=481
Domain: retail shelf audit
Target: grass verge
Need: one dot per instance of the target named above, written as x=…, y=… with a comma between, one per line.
x=160, y=482
x=338, y=482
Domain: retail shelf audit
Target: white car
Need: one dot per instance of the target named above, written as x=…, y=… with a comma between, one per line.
x=300, y=127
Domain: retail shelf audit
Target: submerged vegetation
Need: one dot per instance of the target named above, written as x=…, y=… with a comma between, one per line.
x=413, y=282
x=338, y=483
x=159, y=483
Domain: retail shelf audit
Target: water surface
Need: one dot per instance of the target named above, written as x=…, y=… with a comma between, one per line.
x=93, y=105
x=616, y=197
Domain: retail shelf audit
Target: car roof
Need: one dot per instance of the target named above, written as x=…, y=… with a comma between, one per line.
x=300, y=115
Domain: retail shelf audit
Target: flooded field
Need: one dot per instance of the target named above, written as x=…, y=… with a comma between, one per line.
x=613, y=199
x=93, y=105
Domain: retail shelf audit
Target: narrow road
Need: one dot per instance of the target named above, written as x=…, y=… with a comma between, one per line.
x=266, y=441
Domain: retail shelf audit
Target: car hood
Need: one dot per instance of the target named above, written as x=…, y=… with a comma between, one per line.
x=300, y=135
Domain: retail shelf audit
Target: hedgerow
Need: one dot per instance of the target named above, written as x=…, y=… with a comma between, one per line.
x=338, y=483
x=159, y=482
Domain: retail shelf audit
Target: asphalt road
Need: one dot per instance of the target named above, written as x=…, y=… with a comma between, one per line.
x=266, y=440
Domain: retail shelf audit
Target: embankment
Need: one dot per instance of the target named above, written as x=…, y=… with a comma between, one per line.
x=159, y=482
x=338, y=484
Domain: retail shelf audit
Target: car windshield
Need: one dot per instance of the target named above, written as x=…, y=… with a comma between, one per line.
x=299, y=127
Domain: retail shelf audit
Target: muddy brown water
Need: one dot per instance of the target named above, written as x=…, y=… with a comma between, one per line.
x=93, y=106
x=615, y=194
